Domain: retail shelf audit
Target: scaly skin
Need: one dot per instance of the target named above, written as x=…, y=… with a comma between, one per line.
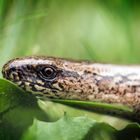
x=77, y=80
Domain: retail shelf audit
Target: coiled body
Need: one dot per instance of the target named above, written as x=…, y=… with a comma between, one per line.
x=68, y=79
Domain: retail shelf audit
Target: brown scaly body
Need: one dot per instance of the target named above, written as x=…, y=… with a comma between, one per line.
x=67, y=79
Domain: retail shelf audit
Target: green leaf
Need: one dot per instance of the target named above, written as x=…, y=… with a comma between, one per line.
x=78, y=128
x=119, y=110
x=7, y=100
x=66, y=128
x=17, y=110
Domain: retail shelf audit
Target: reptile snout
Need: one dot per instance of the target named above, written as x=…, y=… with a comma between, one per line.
x=9, y=71
x=6, y=70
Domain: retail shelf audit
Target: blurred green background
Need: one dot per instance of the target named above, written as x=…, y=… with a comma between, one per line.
x=103, y=31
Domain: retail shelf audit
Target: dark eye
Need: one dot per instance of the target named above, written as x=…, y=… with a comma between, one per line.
x=48, y=73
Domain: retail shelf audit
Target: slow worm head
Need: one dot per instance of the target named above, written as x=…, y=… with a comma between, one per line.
x=77, y=80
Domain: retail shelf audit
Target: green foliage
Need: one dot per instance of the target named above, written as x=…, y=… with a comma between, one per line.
x=79, y=128
x=17, y=111
x=68, y=128
x=22, y=118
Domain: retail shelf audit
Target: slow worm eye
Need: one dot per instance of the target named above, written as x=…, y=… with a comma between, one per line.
x=48, y=73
